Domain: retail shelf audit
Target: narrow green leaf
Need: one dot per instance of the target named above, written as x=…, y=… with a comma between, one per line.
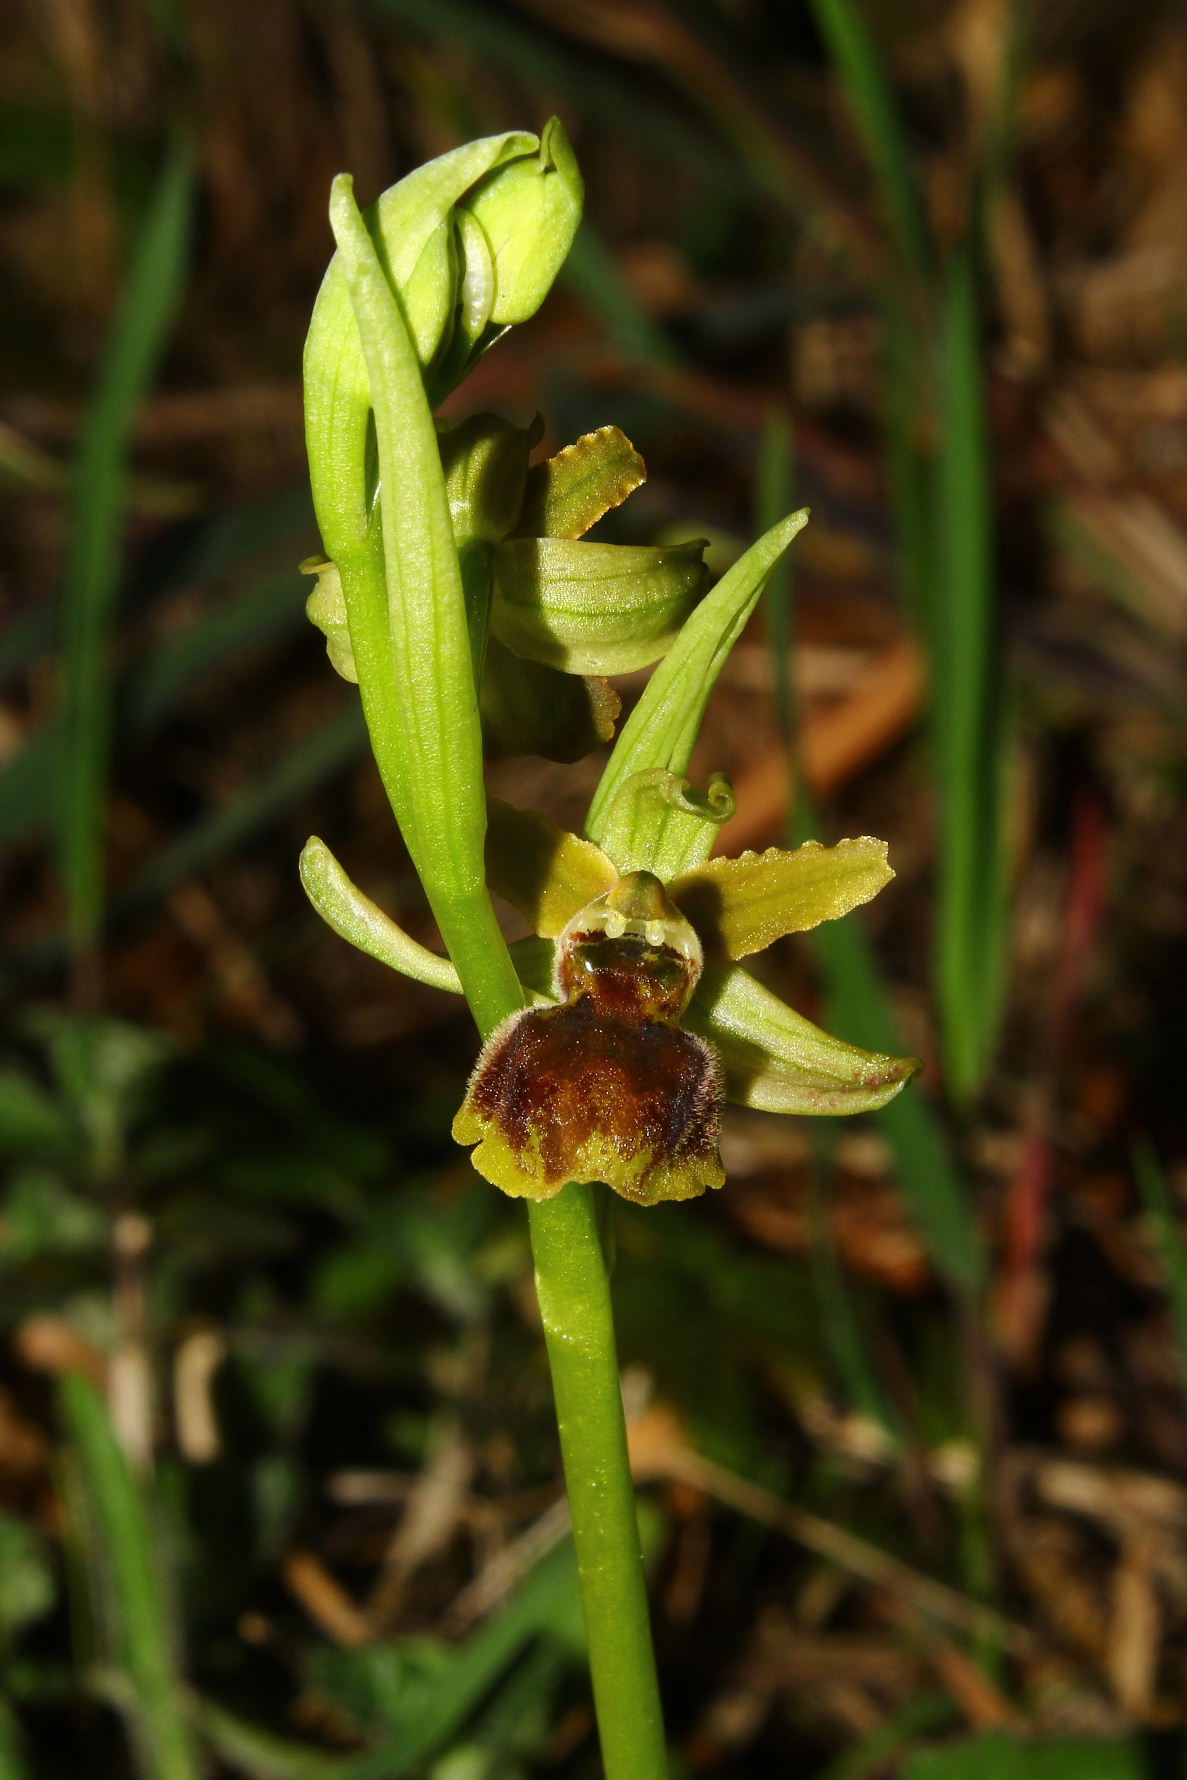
x=778, y=1061
x=927, y=1169
x=967, y=704
x=151, y=293
x=129, y=1586
x=996, y=1755
x=594, y=608
x=662, y=728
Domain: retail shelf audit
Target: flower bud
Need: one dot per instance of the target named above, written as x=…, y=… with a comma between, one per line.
x=528, y=210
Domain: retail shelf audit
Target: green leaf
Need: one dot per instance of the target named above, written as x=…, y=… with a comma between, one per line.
x=593, y=608
x=31, y=1121
x=875, y=108
x=571, y=491
x=662, y=728
x=29, y=1587
x=778, y=1061
x=124, y=1550
x=743, y=905
x=154, y=286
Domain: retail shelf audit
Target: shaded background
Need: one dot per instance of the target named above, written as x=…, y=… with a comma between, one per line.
x=920, y=266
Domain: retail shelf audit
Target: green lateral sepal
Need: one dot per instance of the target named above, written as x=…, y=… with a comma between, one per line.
x=777, y=1061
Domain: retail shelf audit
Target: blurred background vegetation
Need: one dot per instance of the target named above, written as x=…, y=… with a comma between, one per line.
x=279, y=1486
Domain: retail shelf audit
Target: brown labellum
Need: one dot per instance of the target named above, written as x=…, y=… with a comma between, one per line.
x=606, y=1086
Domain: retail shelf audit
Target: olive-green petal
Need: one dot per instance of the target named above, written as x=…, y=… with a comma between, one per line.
x=742, y=905
x=544, y=872
x=571, y=491
x=777, y=1061
x=594, y=608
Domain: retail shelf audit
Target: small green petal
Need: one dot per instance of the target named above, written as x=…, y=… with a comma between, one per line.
x=326, y=608
x=573, y=490
x=777, y=1061
x=593, y=608
x=544, y=872
x=739, y=906
x=354, y=917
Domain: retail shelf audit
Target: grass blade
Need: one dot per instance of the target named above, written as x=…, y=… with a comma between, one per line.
x=151, y=294
x=124, y=1558
x=967, y=695
x=876, y=114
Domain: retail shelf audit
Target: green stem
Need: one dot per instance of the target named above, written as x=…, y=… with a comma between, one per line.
x=574, y=1294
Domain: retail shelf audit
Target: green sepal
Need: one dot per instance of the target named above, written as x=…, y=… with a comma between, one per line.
x=663, y=726
x=777, y=1061
x=540, y=869
x=355, y=918
x=743, y=905
x=593, y=608
x=352, y=915
x=326, y=608
x=528, y=210
x=572, y=490
x=659, y=822
x=528, y=708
